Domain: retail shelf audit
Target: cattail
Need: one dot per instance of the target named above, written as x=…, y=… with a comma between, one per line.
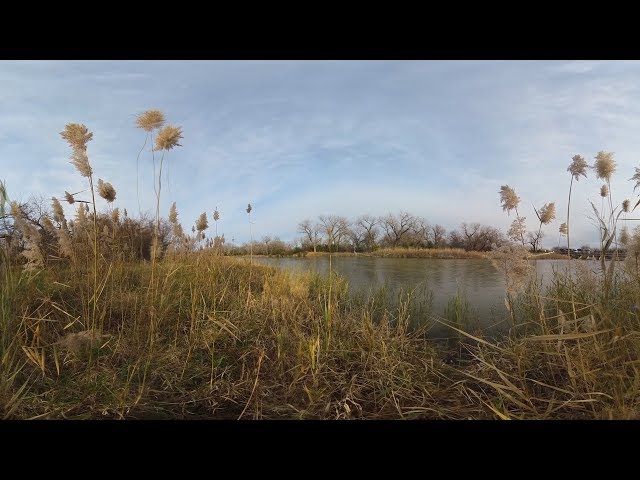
x=605, y=165
x=563, y=229
x=508, y=198
x=249, y=208
x=150, y=120
x=578, y=167
x=547, y=213
x=168, y=138
x=624, y=236
x=69, y=197
x=115, y=216
x=604, y=190
x=626, y=205
x=202, y=223
x=80, y=160
x=106, y=191
x=58, y=212
x=77, y=135
x=173, y=214
x=216, y=215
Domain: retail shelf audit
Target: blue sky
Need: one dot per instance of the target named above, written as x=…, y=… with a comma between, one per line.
x=302, y=138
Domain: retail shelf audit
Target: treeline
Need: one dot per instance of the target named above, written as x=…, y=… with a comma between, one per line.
x=367, y=233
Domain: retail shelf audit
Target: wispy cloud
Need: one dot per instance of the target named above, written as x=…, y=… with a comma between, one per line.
x=298, y=139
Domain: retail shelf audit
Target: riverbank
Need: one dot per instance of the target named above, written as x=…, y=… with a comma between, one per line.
x=217, y=338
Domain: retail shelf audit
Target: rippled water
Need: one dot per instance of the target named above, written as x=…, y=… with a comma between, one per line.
x=477, y=279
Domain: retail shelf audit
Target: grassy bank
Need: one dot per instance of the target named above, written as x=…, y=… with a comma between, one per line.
x=222, y=339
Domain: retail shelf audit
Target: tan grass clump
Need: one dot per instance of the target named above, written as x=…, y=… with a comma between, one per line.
x=106, y=191
x=578, y=167
x=31, y=236
x=150, y=120
x=605, y=165
x=604, y=190
x=508, y=198
x=168, y=138
x=82, y=341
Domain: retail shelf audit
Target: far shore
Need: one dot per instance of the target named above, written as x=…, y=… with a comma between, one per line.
x=435, y=253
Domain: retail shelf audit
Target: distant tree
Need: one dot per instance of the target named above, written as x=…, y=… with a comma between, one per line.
x=439, y=236
x=397, y=227
x=310, y=232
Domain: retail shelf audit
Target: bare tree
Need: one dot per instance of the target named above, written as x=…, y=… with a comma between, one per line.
x=439, y=236
x=366, y=227
x=335, y=229
x=397, y=227
x=310, y=232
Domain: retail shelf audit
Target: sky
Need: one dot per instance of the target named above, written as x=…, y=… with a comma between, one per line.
x=299, y=139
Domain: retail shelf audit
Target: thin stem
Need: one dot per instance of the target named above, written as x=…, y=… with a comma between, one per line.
x=95, y=254
x=521, y=234
x=137, y=172
x=568, y=210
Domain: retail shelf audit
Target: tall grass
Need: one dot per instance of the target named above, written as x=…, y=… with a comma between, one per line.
x=215, y=337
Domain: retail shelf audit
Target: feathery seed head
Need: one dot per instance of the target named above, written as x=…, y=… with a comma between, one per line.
x=173, y=213
x=106, y=191
x=604, y=190
x=48, y=226
x=249, y=208
x=605, y=165
x=636, y=177
x=508, y=198
x=547, y=213
x=81, y=216
x=216, y=214
x=150, y=120
x=626, y=205
x=168, y=138
x=58, y=212
x=202, y=223
x=80, y=160
x=115, y=215
x=563, y=229
x=69, y=197
x=77, y=135
x=578, y=167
